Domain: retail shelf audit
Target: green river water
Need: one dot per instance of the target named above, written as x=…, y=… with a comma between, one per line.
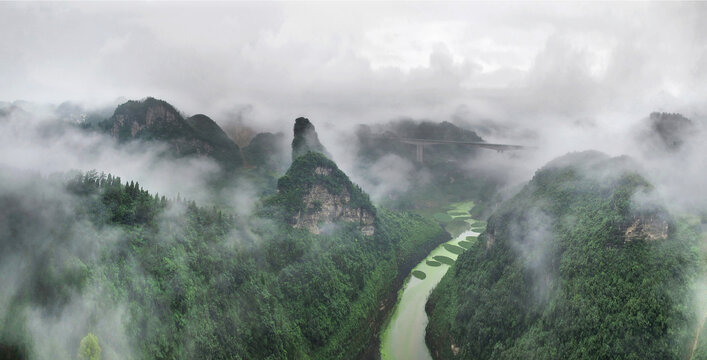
x=404, y=335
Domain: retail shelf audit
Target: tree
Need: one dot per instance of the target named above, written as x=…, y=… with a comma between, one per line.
x=89, y=348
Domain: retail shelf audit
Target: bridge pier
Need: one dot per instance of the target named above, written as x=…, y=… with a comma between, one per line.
x=419, y=152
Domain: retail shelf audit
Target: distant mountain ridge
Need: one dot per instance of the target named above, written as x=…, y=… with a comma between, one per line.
x=378, y=140
x=156, y=120
x=671, y=130
x=267, y=150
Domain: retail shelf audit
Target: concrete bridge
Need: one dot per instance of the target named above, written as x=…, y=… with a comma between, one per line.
x=421, y=143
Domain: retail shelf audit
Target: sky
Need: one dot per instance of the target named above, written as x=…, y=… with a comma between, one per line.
x=340, y=62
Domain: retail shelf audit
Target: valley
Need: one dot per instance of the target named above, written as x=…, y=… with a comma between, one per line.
x=404, y=334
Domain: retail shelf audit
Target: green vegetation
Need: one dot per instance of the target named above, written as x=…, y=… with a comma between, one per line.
x=89, y=348
x=203, y=283
x=444, y=259
x=449, y=181
x=419, y=274
x=454, y=249
x=442, y=217
x=305, y=139
x=303, y=175
x=404, y=334
x=459, y=213
x=556, y=276
x=478, y=211
x=266, y=150
x=375, y=140
x=466, y=244
x=456, y=227
x=220, y=147
x=156, y=120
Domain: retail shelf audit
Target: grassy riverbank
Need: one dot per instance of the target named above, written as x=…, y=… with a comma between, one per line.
x=403, y=336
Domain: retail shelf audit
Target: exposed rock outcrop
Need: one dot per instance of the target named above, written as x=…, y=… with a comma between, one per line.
x=647, y=228
x=315, y=193
x=490, y=238
x=323, y=207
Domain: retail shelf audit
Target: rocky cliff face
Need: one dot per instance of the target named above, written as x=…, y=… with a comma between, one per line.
x=314, y=193
x=323, y=207
x=646, y=228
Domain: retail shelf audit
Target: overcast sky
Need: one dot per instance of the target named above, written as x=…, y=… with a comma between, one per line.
x=363, y=62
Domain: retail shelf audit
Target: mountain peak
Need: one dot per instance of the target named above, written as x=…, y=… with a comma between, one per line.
x=156, y=120
x=306, y=139
x=671, y=129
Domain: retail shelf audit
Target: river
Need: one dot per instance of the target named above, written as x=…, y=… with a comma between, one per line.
x=404, y=335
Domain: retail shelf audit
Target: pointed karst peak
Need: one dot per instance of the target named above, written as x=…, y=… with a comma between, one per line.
x=306, y=139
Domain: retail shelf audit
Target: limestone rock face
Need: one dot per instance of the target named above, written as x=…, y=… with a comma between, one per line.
x=490, y=238
x=648, y=228
x=315, y=193
x=323, y=207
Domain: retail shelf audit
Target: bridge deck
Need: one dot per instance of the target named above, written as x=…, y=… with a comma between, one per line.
x=472, y=143
x=420, y=144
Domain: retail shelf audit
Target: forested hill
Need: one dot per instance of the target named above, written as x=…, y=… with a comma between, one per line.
x=314, y=193
x=581, y=264
x=154, y=278
x=156, y=120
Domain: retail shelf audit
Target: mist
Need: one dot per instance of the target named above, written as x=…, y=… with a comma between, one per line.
x=567, y=77
x=553, y=77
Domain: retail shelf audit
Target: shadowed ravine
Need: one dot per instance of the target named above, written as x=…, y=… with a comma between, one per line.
x=404, y=335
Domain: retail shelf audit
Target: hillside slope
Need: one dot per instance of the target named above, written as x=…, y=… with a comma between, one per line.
x=314, y=193
x=578, y=265
x=155, y=278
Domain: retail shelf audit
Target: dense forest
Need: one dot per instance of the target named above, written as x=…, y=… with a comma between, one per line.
x=582, y=263
x=195, y=282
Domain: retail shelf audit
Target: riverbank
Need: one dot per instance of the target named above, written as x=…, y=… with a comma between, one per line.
x=403, y=336
x=408, y=258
